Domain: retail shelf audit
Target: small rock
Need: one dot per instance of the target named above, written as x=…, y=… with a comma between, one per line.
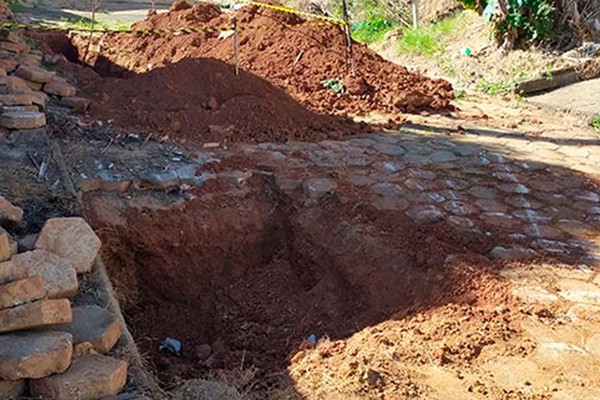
x=34, y=354
x=60, y=89
x=58, y=274
x=203, y=352
x=12, y=390
x=213, y=104
x=425, y=214
x=316, y=188
x=72, y=239
x=22, y=291
x=90, y=377
x=8, y=247
x=34, y=74
x=356, y=86
x=10, y=215
x=94, y=325
x=23, y=120
x=42, y=313
x=10, y=272
x=515, y=253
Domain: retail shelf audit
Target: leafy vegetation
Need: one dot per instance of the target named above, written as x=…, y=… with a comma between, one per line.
x=371, y=31
x=336, y=85
x=517, y=20
x=596, y=122
x=15, y=5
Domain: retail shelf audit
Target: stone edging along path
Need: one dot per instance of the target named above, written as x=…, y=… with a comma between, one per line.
x=61, y=328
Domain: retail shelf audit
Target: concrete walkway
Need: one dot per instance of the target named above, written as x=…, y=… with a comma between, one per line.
x=582, y=97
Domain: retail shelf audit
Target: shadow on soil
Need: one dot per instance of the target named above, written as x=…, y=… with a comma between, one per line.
x=251, y=270
x=250, y=267
x=505, y=134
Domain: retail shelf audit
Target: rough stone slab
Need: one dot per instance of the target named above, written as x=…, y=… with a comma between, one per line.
x=12, y=390
x=90, y=377
x=8, y=64
x=34, y=74
x=42, y=313
x=35, y=86
x=39, y=99
x=23, y=120
x=60, y=89
x=13, y=85
x=9, y=36
x=21, y=292
x=58, y=274
x=8, y=246
x=14, y=47
x=16, y=99
x=18, y=108
x=72, y=239
x=34, y=354
x=10, y=215
x=10, y=271
x=32, y=138
x=95, y=325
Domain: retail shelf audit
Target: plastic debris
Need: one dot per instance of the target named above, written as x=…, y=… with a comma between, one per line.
x=312, y=338
x=170, y=345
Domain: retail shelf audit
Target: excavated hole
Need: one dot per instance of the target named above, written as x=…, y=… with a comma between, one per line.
x=252, y=275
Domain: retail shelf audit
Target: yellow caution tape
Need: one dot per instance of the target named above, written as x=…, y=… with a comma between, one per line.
x=163, y=32
x=292, y=11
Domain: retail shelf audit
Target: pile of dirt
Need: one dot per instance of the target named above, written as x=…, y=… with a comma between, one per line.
x=171, y=85
x=296, y=59
x=202, y=100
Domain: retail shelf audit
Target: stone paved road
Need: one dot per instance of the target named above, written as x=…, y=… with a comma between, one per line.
x=537, y=197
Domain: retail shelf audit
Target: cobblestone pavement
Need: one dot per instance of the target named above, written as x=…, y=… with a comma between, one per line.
x=534, y=191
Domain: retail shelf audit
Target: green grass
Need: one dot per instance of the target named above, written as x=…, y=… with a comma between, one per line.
x=596, y=122
x=86, y=24
x=372, y=31
x=430, y=39
x=15, y=6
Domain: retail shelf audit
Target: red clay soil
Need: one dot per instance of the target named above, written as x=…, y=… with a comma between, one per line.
x=180, y=92
x=297, y=59
x=248, y=277
x=202, y=100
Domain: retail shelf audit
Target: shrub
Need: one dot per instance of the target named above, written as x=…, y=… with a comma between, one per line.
x=517, y=20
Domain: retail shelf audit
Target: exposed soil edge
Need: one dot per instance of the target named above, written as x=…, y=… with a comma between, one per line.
x=141, y=380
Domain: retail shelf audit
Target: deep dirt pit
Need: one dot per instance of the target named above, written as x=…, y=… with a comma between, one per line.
x=252, y=274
